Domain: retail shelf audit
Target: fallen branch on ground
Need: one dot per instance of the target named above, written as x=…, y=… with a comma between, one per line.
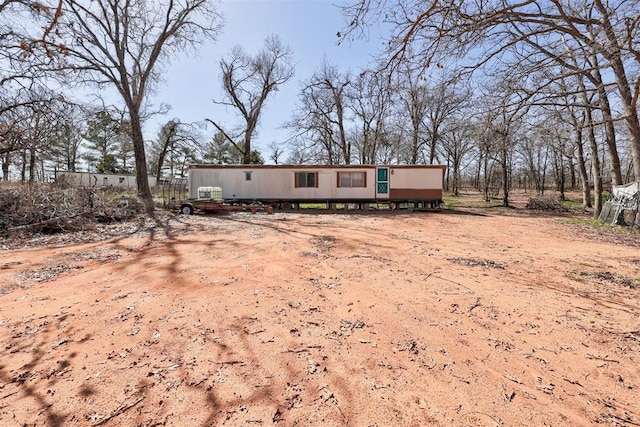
x=120, y=410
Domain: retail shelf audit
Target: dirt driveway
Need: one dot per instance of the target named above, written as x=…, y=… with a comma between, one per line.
x=456, y=318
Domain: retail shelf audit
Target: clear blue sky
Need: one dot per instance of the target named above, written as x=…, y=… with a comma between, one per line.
x=308, y=26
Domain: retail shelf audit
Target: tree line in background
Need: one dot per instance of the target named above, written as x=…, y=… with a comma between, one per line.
x=534, y=94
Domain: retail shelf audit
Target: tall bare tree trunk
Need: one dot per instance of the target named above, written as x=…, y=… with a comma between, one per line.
x=505, y=172
x=582, y=168
x=32, y=164
x=593, y=146
x=168, y=133
x=246, y=151
x=6, y=160
x=595, y=163
x=572, y=172
x=487, y=172
x=631, y=117
x=629, y=102
x=144, y=192
x=23, y=170
x=610, y=132
x=345, y=145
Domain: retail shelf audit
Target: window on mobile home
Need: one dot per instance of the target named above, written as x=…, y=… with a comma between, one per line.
x=306, y=179
x=352, y=179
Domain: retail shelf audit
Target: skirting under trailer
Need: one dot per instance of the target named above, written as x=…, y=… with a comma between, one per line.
x=292, y=186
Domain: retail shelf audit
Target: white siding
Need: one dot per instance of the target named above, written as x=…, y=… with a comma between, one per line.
x=278, y=182
x=415, y=178
x=87, y=179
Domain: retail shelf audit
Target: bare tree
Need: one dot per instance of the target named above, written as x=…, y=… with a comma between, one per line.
x=457, y=143
x=576, y=60
x=534, y=148
x=301, y=153
x=276, y=151
x=174, y=139
x=65, y=138
x=503, y=119
x=19, y=37
x=576, y=120
x=370, y=102
x=447, y=96
x=35, y=136
x=559, y=144
x=122, y=44
x=101, y=137
x=412, y=90
x=427, y=32
x=322, y=113
x=30, y=133
x=160, y=148
x=248, y=81
x=589, y=127
x=487, y=149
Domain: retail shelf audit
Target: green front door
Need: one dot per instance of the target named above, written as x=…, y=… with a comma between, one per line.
x=382, y=182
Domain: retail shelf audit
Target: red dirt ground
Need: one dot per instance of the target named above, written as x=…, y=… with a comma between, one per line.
x=467, y=317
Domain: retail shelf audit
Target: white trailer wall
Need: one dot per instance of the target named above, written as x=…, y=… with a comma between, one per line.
x=415, y=178
x=277, y=183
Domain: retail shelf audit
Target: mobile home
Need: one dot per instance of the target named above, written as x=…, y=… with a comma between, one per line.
x=294, y=184
x=89, y=179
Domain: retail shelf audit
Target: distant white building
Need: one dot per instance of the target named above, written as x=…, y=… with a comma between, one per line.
x=88, y=179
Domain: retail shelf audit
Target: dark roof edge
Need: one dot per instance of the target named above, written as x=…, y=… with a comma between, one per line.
x=252, y=166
